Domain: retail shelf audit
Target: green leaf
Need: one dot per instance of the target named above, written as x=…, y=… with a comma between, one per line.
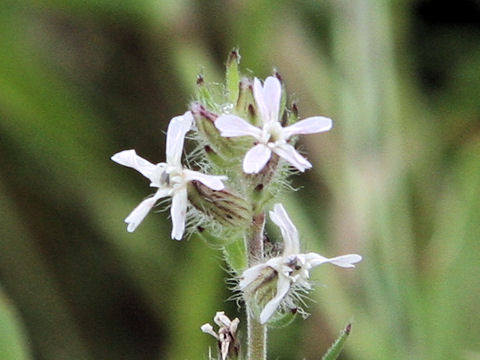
x=337, y=346
x=236, y=255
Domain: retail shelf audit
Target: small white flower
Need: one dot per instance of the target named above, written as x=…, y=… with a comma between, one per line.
x=226, y=336
x=271, y=136
x=293, y=268
x=169, y=177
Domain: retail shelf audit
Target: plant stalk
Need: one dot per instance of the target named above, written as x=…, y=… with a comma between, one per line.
x=257, y=333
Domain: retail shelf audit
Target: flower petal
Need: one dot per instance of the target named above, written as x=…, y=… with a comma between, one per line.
x=131, y=159
x=214, y=182
x=208, y=329
x=288, y=153
x=232, y=125
x=309, y=125
x=256, y=158
x=222, y=320
x=178, y=212
x=345, y=261
x=289, y=232
x=177, y=129
x=139, y=213
x=268, y=98
x=250, y=275
x=283, y=286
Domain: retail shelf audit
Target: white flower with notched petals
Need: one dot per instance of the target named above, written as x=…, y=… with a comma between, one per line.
x=292, y=268
x=271, y=136
x=169, y=177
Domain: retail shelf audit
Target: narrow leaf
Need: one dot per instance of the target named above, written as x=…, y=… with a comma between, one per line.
x=337, y=346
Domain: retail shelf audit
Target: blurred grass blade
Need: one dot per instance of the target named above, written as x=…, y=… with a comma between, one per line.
x=13, y=342
x=337, y=346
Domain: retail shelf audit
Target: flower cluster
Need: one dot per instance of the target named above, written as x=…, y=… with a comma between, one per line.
x=246, y=143
x=291, y=270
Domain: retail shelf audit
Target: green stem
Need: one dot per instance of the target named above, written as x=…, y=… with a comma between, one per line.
x=257, y=339
x=257, y=333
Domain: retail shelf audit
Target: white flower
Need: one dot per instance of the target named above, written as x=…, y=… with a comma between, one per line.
x=226, y=337
x=292, y=267
x=169, y=177
x=271, y=136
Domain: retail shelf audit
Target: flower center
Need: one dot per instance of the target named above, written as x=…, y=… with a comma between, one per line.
x=168, y=176
x=296, y=264
x=272, y=132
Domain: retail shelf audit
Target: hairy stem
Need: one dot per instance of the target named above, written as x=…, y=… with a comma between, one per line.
x=257, y=333
x=257, y=339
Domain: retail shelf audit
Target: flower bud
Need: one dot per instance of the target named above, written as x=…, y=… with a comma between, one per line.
x=246, y=102
x=232, y=76
x=222, y=151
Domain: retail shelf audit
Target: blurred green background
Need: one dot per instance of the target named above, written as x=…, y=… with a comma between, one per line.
x=397, y=180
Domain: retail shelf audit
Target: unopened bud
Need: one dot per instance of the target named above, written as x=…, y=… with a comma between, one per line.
x=223, y=151
x=246, y=102
x=232, y=76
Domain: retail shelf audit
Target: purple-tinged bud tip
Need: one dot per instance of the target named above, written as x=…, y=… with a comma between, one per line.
x=277, y=75
x=234, y=56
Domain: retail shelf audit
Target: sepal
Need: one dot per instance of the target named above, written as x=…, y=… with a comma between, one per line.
x=282, y=319
x=203, y=93
x=259, y=287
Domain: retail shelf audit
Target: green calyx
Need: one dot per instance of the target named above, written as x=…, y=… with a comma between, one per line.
x=260, y=291
x=222, y=206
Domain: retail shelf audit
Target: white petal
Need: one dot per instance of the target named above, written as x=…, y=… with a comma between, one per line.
x=268, y=98
x=309, y=125
x=345, y=261
x=131, y=159
x=289, y=232
x=139, y=213
x=283, y=286
x=250, y=275
x=177, y=129
x=288, y=153
x=222, y=320
x=231, y=126
x=178, y=213
x=234, y=325
x=256, y=158
x=214, y=182
x=208, y=329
